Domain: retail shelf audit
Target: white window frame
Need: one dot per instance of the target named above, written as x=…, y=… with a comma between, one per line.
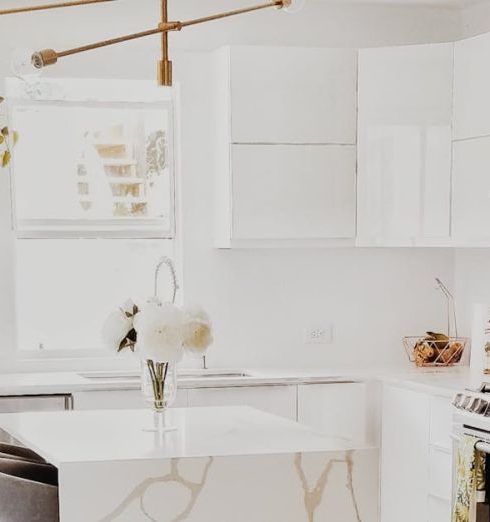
x=21, y=91
x=93, y=94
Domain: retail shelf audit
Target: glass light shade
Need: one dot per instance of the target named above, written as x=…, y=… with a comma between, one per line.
x=21, y=63
x=293, y=6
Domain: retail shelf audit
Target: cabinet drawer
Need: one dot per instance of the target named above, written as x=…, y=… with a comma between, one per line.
x=279, y=400
x=337, y=410
x=440, y=422
x=440, y=473
x=118, y=400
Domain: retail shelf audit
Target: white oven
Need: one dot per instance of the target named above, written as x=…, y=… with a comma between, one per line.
x=471, y=417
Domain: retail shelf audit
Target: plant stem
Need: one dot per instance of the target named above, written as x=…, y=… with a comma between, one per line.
x=158, y=377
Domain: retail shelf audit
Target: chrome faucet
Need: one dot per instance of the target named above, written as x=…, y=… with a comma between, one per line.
x=173, y=274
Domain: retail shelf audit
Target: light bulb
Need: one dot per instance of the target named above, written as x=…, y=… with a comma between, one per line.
x=22, y=64
x=293, y=6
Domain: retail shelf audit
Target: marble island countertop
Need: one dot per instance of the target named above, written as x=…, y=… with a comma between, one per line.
x=221, y=463
x=112, y=435
x=444, y=381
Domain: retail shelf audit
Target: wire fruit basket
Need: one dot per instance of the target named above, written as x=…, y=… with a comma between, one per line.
x=435, y=349
x=438, y=349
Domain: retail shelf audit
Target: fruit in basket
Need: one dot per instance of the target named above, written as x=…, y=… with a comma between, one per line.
x=439, y=341
x=424, y=353
x=452, y=354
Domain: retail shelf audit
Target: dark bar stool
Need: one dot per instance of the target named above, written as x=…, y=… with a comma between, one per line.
x=18, y=452
x=28, y=487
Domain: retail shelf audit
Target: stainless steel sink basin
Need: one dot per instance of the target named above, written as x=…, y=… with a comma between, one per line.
x=212, y=374
x=182, y=374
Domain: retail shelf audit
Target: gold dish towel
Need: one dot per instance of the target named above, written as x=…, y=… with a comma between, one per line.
x=470, y=480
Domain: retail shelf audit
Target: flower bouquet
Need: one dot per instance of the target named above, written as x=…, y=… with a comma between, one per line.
x=160, y=332
x=7, y=139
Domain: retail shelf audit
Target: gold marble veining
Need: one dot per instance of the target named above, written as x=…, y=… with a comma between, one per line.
x=313, y=496
x=138, y=493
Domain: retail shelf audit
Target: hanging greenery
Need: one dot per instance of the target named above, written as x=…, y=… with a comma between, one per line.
x=7, y=139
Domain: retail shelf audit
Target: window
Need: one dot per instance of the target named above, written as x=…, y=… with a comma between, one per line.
x=93, y=204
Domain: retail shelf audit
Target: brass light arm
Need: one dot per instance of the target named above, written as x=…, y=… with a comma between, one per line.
x=50, y=56
x=44, y=7
x=196, y=21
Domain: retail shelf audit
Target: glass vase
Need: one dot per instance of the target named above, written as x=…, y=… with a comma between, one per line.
x=159, y=387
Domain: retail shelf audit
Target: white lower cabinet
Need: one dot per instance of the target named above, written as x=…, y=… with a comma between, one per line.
x=337, y=409
x=439, y=510
x=416, y=463
x=279, y=400
x=404, y=455
x=117, y=400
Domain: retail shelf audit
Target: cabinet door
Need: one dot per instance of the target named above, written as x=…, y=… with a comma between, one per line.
x=293, y=192
x=471, y=87
x=118, y=400
x=404, y=455
x=404, y=145
x=338, y=410
x=279, y=400
x=471, y=192
x=293, y=95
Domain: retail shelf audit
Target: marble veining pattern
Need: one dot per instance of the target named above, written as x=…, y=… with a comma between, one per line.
x=139, y=491
x=313, y=495
x=338, y=485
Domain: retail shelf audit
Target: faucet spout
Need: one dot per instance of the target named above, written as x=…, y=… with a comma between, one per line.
x=173, y=274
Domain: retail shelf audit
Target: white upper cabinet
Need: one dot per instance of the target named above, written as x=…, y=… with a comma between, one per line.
x=404, y=145
x=285, y=151
x=471, y=147
x=292, y=95
x=293, y=192
x=471, y=88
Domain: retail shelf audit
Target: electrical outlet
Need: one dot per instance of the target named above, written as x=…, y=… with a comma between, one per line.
x=318, y=335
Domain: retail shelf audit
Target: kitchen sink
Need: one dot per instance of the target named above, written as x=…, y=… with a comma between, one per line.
x=184, y=374
x=211, y=374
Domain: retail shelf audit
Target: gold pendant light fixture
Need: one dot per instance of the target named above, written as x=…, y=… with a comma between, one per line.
x=46, y=57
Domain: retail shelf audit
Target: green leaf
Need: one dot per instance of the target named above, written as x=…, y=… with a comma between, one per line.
x=15, y=137
x=6, y=158
x=2, y=139
x=5, y=131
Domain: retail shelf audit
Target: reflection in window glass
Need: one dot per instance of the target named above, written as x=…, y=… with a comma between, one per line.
x=88, y=163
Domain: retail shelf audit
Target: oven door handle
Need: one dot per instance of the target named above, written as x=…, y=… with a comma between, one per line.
x=483, y=447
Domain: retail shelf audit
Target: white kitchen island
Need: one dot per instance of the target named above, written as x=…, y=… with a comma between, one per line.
x=228, y=464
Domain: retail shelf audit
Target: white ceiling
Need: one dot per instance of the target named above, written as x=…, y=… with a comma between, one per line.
x=436, y=3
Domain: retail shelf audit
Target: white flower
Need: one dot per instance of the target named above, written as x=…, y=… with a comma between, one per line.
x=197, y=331
x=116, y=327
x=160, y=331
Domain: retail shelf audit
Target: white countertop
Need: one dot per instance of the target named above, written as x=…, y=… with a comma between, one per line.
x=444, y=381
x=118, y=435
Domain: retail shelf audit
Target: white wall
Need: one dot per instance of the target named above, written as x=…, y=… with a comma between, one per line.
x=261, y=300
x=472, y=282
